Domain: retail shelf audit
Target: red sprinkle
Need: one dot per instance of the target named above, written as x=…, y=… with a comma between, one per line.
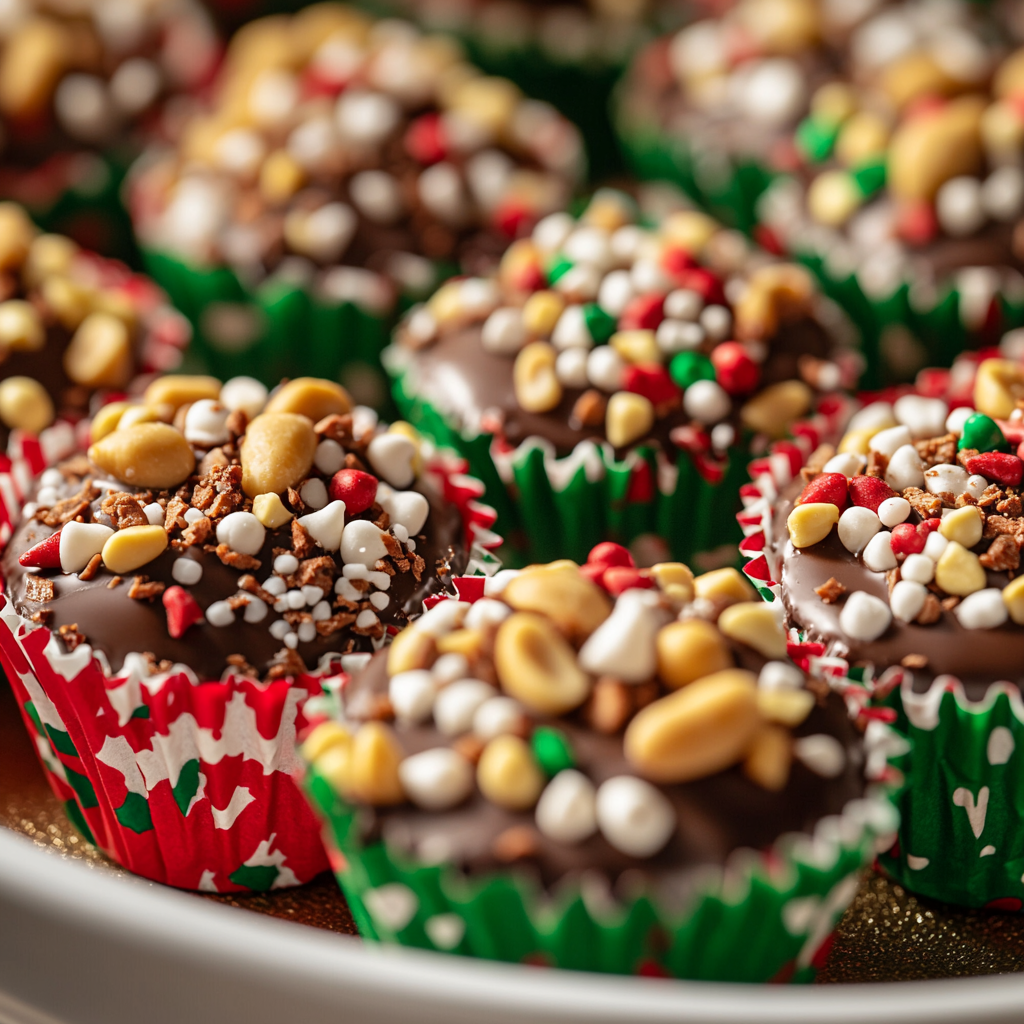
x=425, y=141
x=916, y=223
x=620, y=578
x=653, y=382
x=829, y=488
x=44, y=555
x=608, y=554
x=182, y=611
x=514, y=218
x=998, y=466
x=354, y=487
x=734, y=369
x=908, y=539
x=869, y=491
x=643, y=313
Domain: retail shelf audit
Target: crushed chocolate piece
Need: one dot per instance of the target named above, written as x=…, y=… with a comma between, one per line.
x=295, y=500
x=286, y=663
x=143, y=589
x=392, y=546
x=352, y=461
x=965, y=455
x=115, y=581
x=70, y=635
x=1003, y=554
x=877, y=465
x=949, y=603
x=930, y=612
x=926, y=505
x=469, y=746
x=302, y=543
x=1009, y=506
x=830, y=591
x=588, y=410
x=383, y=565
x=327, y=627
x=69, y=508
x=124, y=510
x=936, y=450
x=996, y=525
x=44, y=616
x=92, y=568
x=419, y=566
x=38, y=589
x=318, y=572
x=237, y=601
x=383, y=521
x=516, y=843
x=174, y=514
x=197, y=532
x=236, y=559
x=964, y=499
x=914, y=661
x=817, y=462
x=239, y=664
x=990, y=496
x=335, y=427
x=609, y=706
x=76, y=467
x=375, y=630
x=250, y=585
x=236, y=423
x=892, y=577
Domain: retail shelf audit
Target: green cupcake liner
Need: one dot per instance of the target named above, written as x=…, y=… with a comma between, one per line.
x=552, y=508
x=289, y=332
x=763, y=918
x=961, y=837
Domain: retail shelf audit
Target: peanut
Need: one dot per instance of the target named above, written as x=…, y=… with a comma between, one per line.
x=575, y=604
x=277, y=452
x=411, y=649
x=489, y=102
x=998, y=386
x=137, y=414
x=833, y=198
x=696, y=731
x=726, y=584
x=281, y=176
x=636, y=346
x=20, y=326
x=35, y=56
x=146, y=455
x=926, y=151
x=333, y=764
x=69, y=301
x=537, y=666
x=100, y=353
x=541, y=312
x=755, y=624
x=133, y=547
x=690, y=649
x=48, y=255
x=372, y=769
x=785, y=707
x=325, y=736
x=536, y=387
x=25, y=405
x=1009, y=78
x=690, y=229
x=964, y=525
x=168, y=394
x=769, y=758
x=1013, y=598
x=467, y=642
x=508, y=774
x=864, y=136
x=808, y=524
x=674, y=579
x=107, y=419
x=774, y=409
x=629, y=418
x=270, y=510
x=774, y=293
x=311, y=397
x=16, y=232
x=959, y=571
x=912, y=76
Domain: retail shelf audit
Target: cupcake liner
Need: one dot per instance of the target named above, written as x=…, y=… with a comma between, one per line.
x=184, y=781
x=549, y=507
x=287, y=331
x=765, y=916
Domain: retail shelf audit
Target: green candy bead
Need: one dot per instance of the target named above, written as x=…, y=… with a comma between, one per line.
x=687, y=368
x=600, y=324
x=552, y=750
x=870, y=177
x=982, y=433
x=815, y=139
x=559, y=268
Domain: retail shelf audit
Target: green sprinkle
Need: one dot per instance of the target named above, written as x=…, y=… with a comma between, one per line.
x=870, y=176
x=552, y=750
x=815, y=139
x=600, y=324
x=687, y=368
x=559, y=268
x=982, y=433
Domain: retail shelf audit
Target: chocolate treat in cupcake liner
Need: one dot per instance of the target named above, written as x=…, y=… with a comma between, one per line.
x=346, y=166
x=576, y=769
x=895, y=558
x=173, y=599
x=82, y=88
x=75, y=329
x=613, y=379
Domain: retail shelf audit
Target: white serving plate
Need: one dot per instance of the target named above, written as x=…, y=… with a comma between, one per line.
x=81, y=946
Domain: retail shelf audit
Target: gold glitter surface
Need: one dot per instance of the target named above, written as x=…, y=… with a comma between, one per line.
x=886, y=935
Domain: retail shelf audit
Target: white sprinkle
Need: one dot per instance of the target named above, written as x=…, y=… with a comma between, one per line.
x=707, y=401
x=905, y=469
x=187, y=571
x=362, y=542
x=291, y=640
x=959, y=207
x=822, y=753
x=379, y=601
x=615, y=292
x=878, y=555
x=864, y=617
x=436, y=779
x=457, y=703
x=487, y=612
x=497, y=716
x=918, y=569
x=984, y=609
x=634, y=816
x=193, y=515
x=717, y=322
x=275, y=585
x=329, y=457
x=206, y=423
x=321, y=611
x=780, y=675
x=412, y=695
x=678, y=336
x=606, y=368
x=295, y=599
x=567, y=809
x=571, y=368
x=935, y=545
x=220, y=614
x=893, y=511
x=391, y=456
x=957, y=418
x=886, y=442
x=847, y=463
x=907, y=599
x=326, y=526
x=279, y=628
x=571, y=330
x=256, y=610
x=307, y=632
x=683, y=304
x=154, y=513
x=503, y=331
x=366, y=619
x=245, y=393
x=314, y=494
x=312, y=595
x=285, y=564
x=946, y=477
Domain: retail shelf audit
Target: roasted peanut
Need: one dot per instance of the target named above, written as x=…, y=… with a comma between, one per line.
x=541, y=312
x=411, y=649
x=270, y=510
x=636, y=346
x=699, y=730
x=1013, y=598
x=277, y=452
x=537, y=666
x=769, y=758
x=107, y=419
x=810, y=523
x=169, y=393
x=690, y=649
x=20, y=326
x=16, y=234
x=35, y=55
x=755, y=624
x=70, y=302
x=25, y=405
x=48, y=255
x=674, y=579
x=774, y=294
x=311, y=397
x=146, y=455
x=133, y=547
x=785, y=707
x=536, y=387
x=372, y=769
x=467, y=642
x=281, y=176
x=323, y=737
x=628, y=418
x=774, y=409
x=998, y=386
x=575, y=604
x=100, y=353
x=508, y=775
x=690, y=229
x=726, y=584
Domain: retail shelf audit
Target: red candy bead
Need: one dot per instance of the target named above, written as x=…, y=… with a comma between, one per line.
x=704, y=283
x=425, y=141
x=869, y=491
x=830, y=488
x=1001, y=467
x=354, y=487
x=182, y=611
x=514, y=218
x=907, y=540
x=917, y=224
x=620, y=578
x=653, y=382
x=44, y=555
x=675, y=260
x=734, y=369
x=643, y=313
x=608, y=554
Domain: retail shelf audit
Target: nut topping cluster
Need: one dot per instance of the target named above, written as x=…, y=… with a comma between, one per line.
x=627, y=330
x=343, y=151
x=931, y=498
x=506, y=696
x=292, y=512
